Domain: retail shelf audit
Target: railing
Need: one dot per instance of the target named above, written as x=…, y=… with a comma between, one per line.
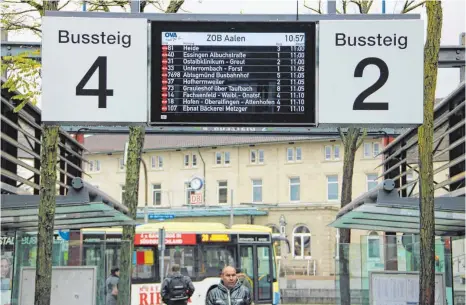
x=298, y=267
x=401, y=158
x=20, y=157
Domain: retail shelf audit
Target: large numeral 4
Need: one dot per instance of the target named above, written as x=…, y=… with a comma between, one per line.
x=102, y=92
x=383, y=68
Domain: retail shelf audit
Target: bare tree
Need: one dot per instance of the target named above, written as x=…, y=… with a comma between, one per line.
x=352, y=140
x=130, y=198
x=426, y=140
x=23, y=76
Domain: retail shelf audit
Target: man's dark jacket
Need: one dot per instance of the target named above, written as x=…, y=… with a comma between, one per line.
x=165, y=293
x=221, y=295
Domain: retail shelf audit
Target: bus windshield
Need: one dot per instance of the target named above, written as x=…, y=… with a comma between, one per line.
x=198, y=262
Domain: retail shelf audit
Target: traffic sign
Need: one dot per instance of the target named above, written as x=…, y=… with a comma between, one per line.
x=161, y=216
x=371, y=72
x=94, y=70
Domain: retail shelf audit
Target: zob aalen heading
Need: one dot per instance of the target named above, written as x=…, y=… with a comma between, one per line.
x=102, y=38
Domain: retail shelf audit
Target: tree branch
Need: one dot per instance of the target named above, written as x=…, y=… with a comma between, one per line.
x=344, y=4
x=65, y=4
x=318, y=11
x=407, y=9
x=362, y=138
x=8, y=14
x=174, y=6
x=342, y=136
x=358, y=4
x=35, y=5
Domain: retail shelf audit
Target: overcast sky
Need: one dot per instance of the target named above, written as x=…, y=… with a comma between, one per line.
x=453, y=20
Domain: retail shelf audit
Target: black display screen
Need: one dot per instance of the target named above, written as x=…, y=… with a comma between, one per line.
x=233, y=73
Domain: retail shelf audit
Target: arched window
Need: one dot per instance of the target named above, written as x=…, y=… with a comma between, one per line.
x=277, y=244
x=373, y=246
x=301, y=242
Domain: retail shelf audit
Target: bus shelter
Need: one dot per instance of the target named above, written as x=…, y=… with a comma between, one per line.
x=389, y=213
x=78, y=204
x=84, y=206
x=383, y=210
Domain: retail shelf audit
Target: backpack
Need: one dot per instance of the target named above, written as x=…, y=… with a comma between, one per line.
x=178, y=288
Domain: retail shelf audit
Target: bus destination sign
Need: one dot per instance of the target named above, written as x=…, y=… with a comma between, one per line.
x=233, y=73
x=211, y=238
x=248, y=238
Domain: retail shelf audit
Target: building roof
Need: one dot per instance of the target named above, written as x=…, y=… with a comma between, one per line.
x=105, y=143
x=116, y=142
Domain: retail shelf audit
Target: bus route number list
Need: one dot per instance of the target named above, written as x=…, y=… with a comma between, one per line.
x=226, y=77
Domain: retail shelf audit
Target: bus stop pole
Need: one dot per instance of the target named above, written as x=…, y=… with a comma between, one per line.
x=161, y=253
x=231, y=210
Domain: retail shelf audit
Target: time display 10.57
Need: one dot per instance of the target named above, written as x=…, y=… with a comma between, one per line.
x=233, y=73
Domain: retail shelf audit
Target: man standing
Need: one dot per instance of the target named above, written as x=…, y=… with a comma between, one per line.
x=177, y=288
x=230, y=291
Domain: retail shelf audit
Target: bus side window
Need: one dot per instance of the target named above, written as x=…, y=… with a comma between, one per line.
x=144, y=264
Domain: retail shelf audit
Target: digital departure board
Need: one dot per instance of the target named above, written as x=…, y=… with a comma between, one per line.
x=233, y=73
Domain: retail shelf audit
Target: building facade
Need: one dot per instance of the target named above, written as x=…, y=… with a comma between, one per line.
x=294, y=182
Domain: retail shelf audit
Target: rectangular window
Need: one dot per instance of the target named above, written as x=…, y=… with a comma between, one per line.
x=194, y=158
x=94, y=166
x=261, y=156
x=252, y=156
x=218, y=158
x=299, y=155
x=257, y=190
x=156, y=194
x=373, y=247
x=226, y=157
x=376, y=149
x=336, y=152
x=156, y=162
x=290, y=154
x=328, y=152
x=186, y=160
x=367, y=150
x=332, y=187
x=222, y=192
x=371, y=181
x=295, y=189
x=188, y=192
x=121, y=165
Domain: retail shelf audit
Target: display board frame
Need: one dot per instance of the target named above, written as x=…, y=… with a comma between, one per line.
x=309, y=118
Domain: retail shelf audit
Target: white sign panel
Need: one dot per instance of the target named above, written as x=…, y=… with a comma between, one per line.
x=94, y=70
x=401, y=288
x=371, y=72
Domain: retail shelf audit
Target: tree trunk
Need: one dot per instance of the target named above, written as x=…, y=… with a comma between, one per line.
x=426, y=134
x=131, y=195
x=47, y=203
x=351, y=142
x=48, y=190
x=130, y=199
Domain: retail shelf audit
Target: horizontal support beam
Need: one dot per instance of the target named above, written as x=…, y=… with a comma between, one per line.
x=13, y=48
x=449, y=57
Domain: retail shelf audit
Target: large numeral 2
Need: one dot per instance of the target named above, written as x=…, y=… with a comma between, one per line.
x=359, y=101
x=102, y=92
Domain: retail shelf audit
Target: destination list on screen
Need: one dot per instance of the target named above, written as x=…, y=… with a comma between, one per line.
x=217, y=73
